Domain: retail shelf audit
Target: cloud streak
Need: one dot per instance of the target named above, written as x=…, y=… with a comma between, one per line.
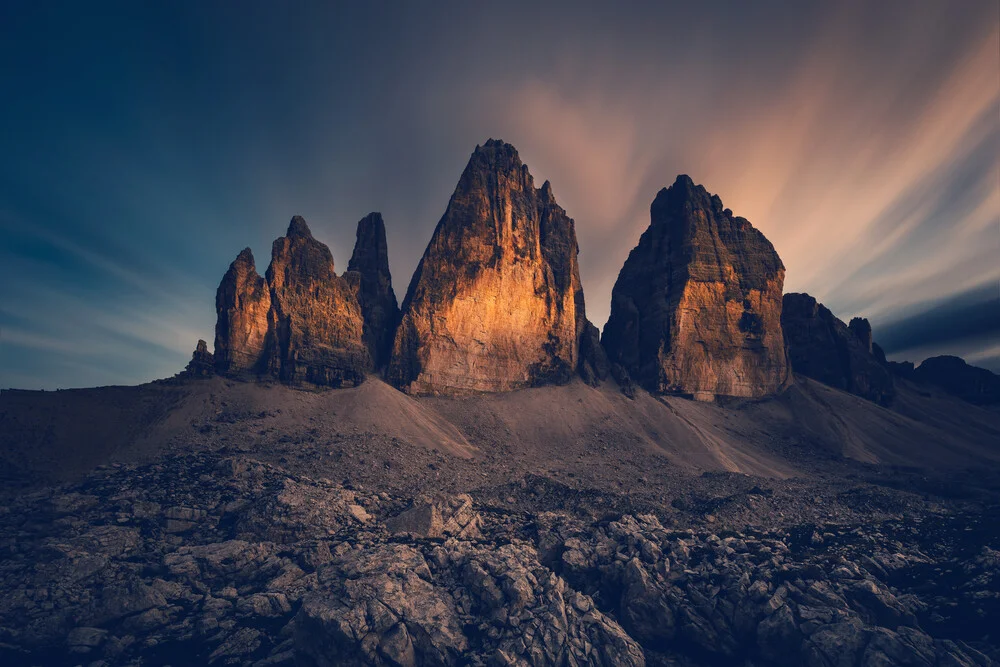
x=153, y=145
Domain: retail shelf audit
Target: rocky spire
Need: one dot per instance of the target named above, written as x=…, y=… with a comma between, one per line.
x=315, y=322
x=368, y=273
x=862, y=330
x=241, y=303
x=495, y=303
x=696, y=308
x=202, y=362
x=301, y=324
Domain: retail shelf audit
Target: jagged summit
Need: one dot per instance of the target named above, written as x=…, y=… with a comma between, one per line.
x=242, y=302
x=696, y=307
x=371, y=251
x=496, y=302
x=368, y=272
x=300, y=323
x=298, y=228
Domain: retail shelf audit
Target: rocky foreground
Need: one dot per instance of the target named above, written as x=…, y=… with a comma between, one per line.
x=212, y=559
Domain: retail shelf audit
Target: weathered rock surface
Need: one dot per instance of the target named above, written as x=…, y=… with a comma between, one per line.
x=316, y=326
x=767, y=599
x=594, y=364
x=368, y=273
x=696, y=308
x=216, y=559
x=954, y=375
x=438, y=516
x=822, y=347
x=242, y=303
x=302, y=323
x=496, y=302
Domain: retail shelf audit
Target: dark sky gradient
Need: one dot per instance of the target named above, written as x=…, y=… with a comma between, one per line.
x=144, y=144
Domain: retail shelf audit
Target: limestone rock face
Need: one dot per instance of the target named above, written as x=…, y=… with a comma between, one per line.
x=242, y=303
x=594, y=366
x=822, y=347
x=496, y=302
x=301, y=324
x=862, y=330
x=696, y=308
x=368, y=273
x=315, y=322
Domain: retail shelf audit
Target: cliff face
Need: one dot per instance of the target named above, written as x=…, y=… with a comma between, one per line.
x=971, y=383
x=301, y=324
x=315, y=321
x=368, y=274
x=241, y=303
x=496, y=302
x=696, y=308
x=822, y=347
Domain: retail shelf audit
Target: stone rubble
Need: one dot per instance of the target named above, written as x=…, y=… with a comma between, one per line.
x=222, y=560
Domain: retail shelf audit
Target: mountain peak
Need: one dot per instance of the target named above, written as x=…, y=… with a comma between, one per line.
x=496, y=302
x=696, y=258
x=370, y=249
x=368, y=270
x=245, y=258
x=298, y=228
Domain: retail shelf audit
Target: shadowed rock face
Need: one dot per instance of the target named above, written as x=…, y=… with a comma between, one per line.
x=954, y=375
x=696, y=308
x=242, y=303
x=202, y=362
x=496, y=302
x=315, y=321
x=302, y=324
x=822, y=347
x=368, y=274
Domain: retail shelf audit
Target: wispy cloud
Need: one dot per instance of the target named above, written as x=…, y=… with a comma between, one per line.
x=862, y=138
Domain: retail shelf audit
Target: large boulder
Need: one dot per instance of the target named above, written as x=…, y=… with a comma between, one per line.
x=459, y=604
x=696, y=308
x=496, y=302
x=822, y=347
x=438, y=516
x=368, y=273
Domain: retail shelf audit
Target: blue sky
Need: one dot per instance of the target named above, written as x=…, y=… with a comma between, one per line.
x=145, y=144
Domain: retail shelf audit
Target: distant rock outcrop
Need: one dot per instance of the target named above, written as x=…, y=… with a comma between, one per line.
x=822, y=347
x=241, y=303
x=954, y=375
x=496, y=302
x=697, y=305
x=301, y=324
x=202, y=362
x=368, y=273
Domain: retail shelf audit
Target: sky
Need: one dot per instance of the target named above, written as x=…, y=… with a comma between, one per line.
x=143, y=145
